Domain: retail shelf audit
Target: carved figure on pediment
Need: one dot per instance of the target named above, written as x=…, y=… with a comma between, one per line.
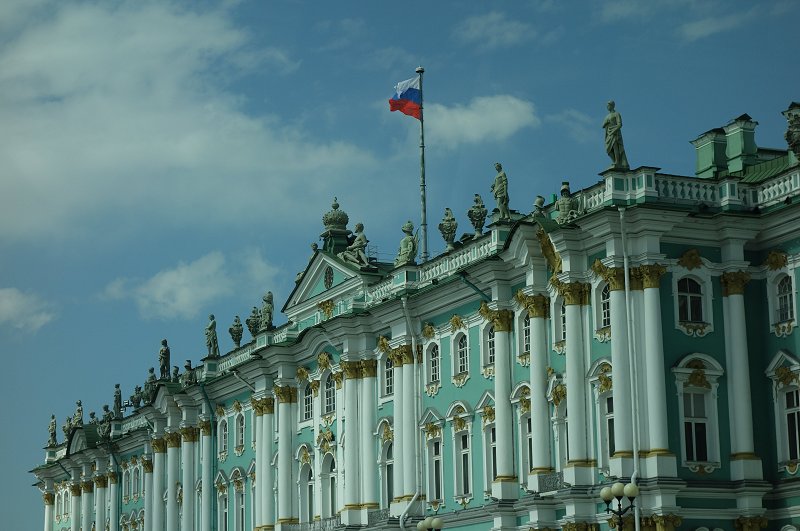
x=614, y=146
x=267, y=309
x=477, y=215
x=136, y=397
x=117, y=402
x=51, y=441
x=354, y=252
x=236, y=331
x=77, y=417
x=567, y=206
x=254, y=321
x=448, y=228
x=188, y=377
x=408, y=246
x=500, y=190
x=163, y=360
x=211, y=337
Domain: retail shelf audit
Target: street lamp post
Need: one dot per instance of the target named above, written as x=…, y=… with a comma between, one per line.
x=618, y=491
x=430, y=524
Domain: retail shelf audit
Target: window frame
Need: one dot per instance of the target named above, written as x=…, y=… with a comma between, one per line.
x=702, y=276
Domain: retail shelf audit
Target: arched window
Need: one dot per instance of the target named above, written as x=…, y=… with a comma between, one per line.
x=388, y=377
x=387, y=478
x=136, y=482
x=306, y=494
x=434, y=364
x=330, y=394
x=239, y=432
x=690, y=301
x=308, y=403
x=222, y=511
x=489, y=455
x=329, y=506
x=463, y=355
x=605, y=306
x=785, y=300
x=126, y=485
x=463, y=483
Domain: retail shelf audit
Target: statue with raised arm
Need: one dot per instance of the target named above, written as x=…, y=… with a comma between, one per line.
x=236, y=331
x=267, y=309
x=500, y=191
x=211, y=337
x=51, y=441
x=408, y=246
x=163, y=360
x=448, y=228
x=354, y=253
x=117, y=402
x=477, y=215
x=614, y=146
x=254, y=321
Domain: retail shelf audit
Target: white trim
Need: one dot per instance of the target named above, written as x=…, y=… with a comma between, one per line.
x=773, y=278
x=701, y=275
x=459, y=377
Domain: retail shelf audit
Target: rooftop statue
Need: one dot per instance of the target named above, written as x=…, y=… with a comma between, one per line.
x=175, y=376
x=354, y=253
x=500, y=191
x=51, y=441
x=538, y=207
x=77, y=417
x=67, y=426
x=136, y=397
x=188, y=377
x=477, y=215
x=792, y=134
x=448, y=228
x=254, y=321
x=267, y=309
x=92, y=418
x=614, y=146
x=149, y=392
x=567, y=206
x=108, y=416
x=211, y=337
x=408, y=246
x=163, y=360
x=117, y=402
x=236, y=331
x=104, y=428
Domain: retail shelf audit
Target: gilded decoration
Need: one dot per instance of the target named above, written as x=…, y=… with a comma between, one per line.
x=147, y=465
x=159, y=446
x=220, y=411
x=459, y=424
x=785, y=376
x=101, y=482
x=87, y=487
x=112, y=476
x=238, y=485
x=603, y=335
x=269, y=405
x=369, y=368
x=221, y=488
x=134, y=460
x=428, y=331
x=405, y=353
x=255, y=403
x=698, y=376
x=286, y=394
x=124, y=465
x=302, y=374
x=524, y=359
x=337, y=377
x=49, y=498
x=460, y=379
x=580, y=526
x=502, y=320
x=305, y=457
x=432, y=430
x=487, y=371
x=75, y=489
x=776, y=260
x=173, y=439
x=690, y=259
x=324, y=440
x=694, y=329
x=524, y=404
x=383, y=345
x=549, y=252
x=237, y=406
x=314, y=387
x=635, y=277
x=457, y=323
x=323, y=361
x=651, y=275
x=537, y=305
x=750, y=523
x=574, y=293
x=559, y=393
x=733, y=282
x=326, y=307
x=488, y=414
x=614, y=276
x=560, y=346
x=205, y=427
x=351, y=369
x=784, y=329
x=190, y=434
x=387, y=434
x=604, y=379
x=327, y=420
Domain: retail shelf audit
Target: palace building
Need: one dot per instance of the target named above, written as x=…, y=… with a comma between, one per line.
x=640, y=330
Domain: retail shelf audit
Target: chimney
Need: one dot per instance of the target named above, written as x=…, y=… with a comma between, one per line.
x=741, y=149
x=710, y=149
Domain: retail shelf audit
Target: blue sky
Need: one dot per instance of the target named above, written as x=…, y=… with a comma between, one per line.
x=165, y=160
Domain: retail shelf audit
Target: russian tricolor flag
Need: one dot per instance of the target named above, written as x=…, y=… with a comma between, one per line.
x=407, y=98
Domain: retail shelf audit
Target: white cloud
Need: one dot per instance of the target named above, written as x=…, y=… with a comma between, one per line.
x=486, y=118
x=616, y=10
x=24, y=311
x=705, y=27
x=579, y=125
x=119, y=114
x=493, y=30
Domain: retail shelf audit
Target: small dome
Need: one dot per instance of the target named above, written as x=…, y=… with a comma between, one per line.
x=335, y=219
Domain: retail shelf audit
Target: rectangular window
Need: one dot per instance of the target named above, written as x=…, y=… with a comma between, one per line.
x=530, y=444
x=610, y=425
x=437, y=470
x=526, y=334
x=389, y=377
x=465, y=478
x=493, y=471
x=695, y=427
x=793, y=423
x=435, y=371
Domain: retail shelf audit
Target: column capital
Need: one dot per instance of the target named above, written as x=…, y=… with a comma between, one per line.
x=502, y=320
x=173, y=439
x=537, y=305
x=75, y=489
x=205, y=427
x=190, y=434
x=258, y=408
x=112, y=476
x=615, y=276
x=352, y=369
x=574, y=293
x=147, y=465
x=651, y=275
x=286, y=394
x=396, y=356
x=369, y=368
x=87, y=486
x=406, y=353
x=159, y=445
x=733, y=282
x=49, y=498
x=101, y=482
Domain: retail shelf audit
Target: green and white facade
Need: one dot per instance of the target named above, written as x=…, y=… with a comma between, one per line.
x=499, y=385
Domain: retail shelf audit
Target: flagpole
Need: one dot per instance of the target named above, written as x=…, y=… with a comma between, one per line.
x=424, y=216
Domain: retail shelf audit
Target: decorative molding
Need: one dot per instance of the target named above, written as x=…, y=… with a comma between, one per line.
x=269, y=405
x=87, y=487
x=323, y=361
x=190, y=434
x=237, y=406
x=549, y=252
x=325, y=440
x=301, y=374
x=488, y=414
x=383, y=345
x=238, y=450
x=697, y=378
x=574, y=293
x=432, y=430
x=326, y=307
x=173, y=439
x=560, y=346
x=314, y=387
x=603, y=335
x=785, y=375
x=487, y=371
x=776, y=260
x=49, y=498
x=305, y=457
x=559, y=393
x=205, y=427
x=690, y=260
x=101, y=482
x=337, y=377
x=286, y=394
x=784, y=329
x=502, y=320
x=369, y=368
x=220, y=410
x=524, y=359
x=432, y=389
x=147, y=465
x=159, y=446
x=524, y=405
x=614, y=276
x=387, y=434
x=351, y=369
x=605, y=380
x=651, y=275
x=694, y=329
x=457, y=323
x=460, y=379
x=428, y=331
x=75, y=489
x=733, y=282
x=112, y=476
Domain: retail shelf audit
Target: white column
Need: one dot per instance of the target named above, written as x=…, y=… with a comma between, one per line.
x=540, y=408
x=505, y=486
x=190, y=436
x=621, y=370
x=399, y=429
x=207, y=481
x=173, y=476
x=657, y=422
x=265, y=467
x=258, y=408
x=159, y=458
x=286, y=395
x=100, y=485
x=113, y=495
x=87, y=505
x=574, y=297
x=410, y=430
x=49, y=505
x=367, y=404
x=352, y=377
x=75, y=506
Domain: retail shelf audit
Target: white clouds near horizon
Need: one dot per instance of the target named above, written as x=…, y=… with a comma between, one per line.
x=24, y=311
x=707, y=26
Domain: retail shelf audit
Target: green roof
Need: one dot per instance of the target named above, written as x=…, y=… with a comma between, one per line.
x=760, y=172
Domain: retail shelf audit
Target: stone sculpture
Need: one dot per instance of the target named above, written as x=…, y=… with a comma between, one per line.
x=188, y=377
x=108, y=415
x=354, y=252
x=67, y=426
x=175, y=376
x=408, y=246
x=792, y=134
x=266, y=312
x=163, y=360
x=149, y=392
x=448, y=228
x=77, y=417
x=211, y=337
x=567, y=206
x=477, y=215
x=117, y=402
x=51, y=441
x=136, y=397
x=614, y=145
x=236, y=331
x=92, y=418
x=500, y=191
x=254, y=321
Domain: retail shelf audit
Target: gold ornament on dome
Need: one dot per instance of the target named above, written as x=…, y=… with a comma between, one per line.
x=428, y=331
x=776, y=260
x=698, y=376
x=785, y=375
x=549, y=252
x=559, y=393
x=326, y=307
x=323, y=361
x=690, y=259
x=605, y=381
x=457, y=323
x=302, y=374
